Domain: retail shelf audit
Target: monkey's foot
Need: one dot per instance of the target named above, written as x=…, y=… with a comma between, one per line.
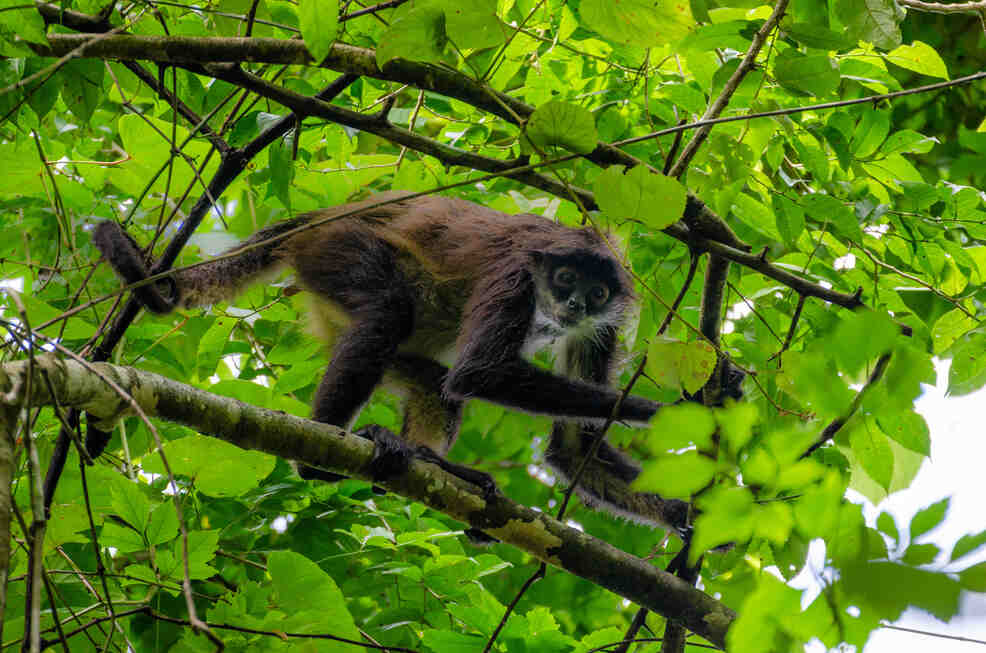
x=391, y=455
x=485, y=482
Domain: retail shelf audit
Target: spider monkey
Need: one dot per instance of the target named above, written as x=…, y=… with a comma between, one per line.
x=445, y=299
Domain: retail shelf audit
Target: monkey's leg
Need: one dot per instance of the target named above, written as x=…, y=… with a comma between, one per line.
x=358, y=363
x=432, y=419
x=362, y=277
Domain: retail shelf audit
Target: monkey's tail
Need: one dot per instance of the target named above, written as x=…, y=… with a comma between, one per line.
x=605, y=483
x=220, y=279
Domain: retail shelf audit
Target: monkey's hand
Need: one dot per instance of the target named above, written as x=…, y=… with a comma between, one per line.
x=483, y=480
x=638, y=410
x=392, y=456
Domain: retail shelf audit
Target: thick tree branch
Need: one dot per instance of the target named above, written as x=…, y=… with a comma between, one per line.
x=304, y=105
x=195, y=51
x=332, y=449
x=945, y=8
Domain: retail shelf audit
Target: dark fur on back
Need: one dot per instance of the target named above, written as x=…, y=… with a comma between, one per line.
x=456, y=238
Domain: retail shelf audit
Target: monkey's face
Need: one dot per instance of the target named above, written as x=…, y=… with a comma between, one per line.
x=575, y=296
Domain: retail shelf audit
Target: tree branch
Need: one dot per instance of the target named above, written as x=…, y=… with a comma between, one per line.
x=196, y=51
x=332, y=449
x=304, y=105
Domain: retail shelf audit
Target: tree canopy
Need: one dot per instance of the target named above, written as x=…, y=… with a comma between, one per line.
x=797, y=189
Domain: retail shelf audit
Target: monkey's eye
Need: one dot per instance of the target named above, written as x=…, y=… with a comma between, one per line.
x=598, y=295
x=565, y=277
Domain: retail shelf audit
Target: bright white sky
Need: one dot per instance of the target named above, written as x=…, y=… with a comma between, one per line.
x=958, y=469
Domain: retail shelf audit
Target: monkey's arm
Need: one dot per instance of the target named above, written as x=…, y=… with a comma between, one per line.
x=520, y=384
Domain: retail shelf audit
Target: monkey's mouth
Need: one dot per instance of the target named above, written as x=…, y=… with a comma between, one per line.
x=570, y=318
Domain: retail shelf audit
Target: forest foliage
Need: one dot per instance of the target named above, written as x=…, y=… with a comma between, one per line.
x=855, y=232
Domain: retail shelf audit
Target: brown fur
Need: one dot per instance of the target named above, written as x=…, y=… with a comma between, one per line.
x=443, y=298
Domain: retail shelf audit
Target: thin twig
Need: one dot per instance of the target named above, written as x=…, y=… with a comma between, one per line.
x=829, y=431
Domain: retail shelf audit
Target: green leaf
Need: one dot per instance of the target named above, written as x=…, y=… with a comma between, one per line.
x=728, y=34
x=924, y=303
x=814, y=74
x=218, y=468
x=790, y=218
x=680, y=365
x=445, y=641
x=968, y=370
x=920, y=554
x=774, y=522
x=637, y=194
x=919, y=57
x=564, y=124
x=872, y=130
x=202, y=547
x=74, y=328
x=908, y=141
x=131, y=505
x=826, y=209
x=163, y=525
x=968, y=544
x=680, y=426
x=417, y=33
x=120, y=537
x=755, y=215
x=816, y=36
x=474, y=24
x=638, y=23
x=687, y=97
x=726, y=515
x=875, y=21
x=41, y=95
x=678, y=476
x=949, y=328
x=908, y=428
x=893, y=170
x=281, y=164
x=814, y=380
x=82, y=86
x=760, y=468
x=319, y=22
x=974, y=578
x=22, y=21
x=886, y=524
x=310, y=596
x=928, y=518
x=931, y=591
x=212, y=344
x=816, y=513
x=860, y=337
x=736, y=422
x=873, y=453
